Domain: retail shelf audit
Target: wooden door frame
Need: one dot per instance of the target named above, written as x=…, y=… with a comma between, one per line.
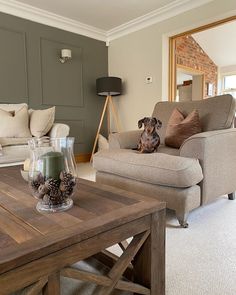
x=172, y=59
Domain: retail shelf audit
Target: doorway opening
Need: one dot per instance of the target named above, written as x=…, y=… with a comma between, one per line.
x=189, y=84
x=193, y=74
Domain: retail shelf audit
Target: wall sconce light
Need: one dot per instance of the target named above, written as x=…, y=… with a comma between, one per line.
x=65, y=55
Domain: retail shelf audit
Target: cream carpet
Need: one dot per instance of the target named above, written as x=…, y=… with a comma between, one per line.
x=200, y=260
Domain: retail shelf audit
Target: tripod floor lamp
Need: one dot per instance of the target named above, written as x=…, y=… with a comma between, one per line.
x=107, y=86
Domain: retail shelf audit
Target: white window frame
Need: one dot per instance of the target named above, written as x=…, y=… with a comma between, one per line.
x=227, y=90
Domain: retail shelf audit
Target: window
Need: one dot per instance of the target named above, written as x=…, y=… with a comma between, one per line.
x=229, y=84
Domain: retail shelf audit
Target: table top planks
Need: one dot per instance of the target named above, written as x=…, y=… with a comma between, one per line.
x=26, y=234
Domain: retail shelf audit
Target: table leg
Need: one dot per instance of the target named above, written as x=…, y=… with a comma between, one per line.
x=149, y=263
x=53, y=285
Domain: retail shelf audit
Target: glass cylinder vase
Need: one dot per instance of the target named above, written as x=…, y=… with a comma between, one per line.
x=52, y=173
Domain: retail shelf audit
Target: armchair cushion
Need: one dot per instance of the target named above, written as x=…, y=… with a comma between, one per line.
x=125, y=140
x=130, y=139
x=155, y=168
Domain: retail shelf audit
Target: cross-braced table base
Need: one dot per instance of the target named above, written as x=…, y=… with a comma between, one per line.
x=47, y=285
x=37, y=287
x=140, y=269
x=111, y=281
x=106, y=283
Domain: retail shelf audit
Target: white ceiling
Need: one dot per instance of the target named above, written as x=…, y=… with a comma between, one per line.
x=100, y=19
x=219, y=43
x=102, y=14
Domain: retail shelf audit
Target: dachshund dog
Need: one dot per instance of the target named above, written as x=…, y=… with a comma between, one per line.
x=150, y=140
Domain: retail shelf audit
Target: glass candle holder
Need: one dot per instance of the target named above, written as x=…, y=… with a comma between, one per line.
x=52, y=173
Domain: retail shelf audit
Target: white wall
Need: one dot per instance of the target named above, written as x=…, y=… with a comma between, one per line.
x=145, y=52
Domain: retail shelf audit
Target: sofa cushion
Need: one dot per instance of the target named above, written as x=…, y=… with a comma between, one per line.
x=6, y=141
x=12, y=106
x=215, y=113
x=15, y=125
x=155, y=168
x=14, y=154
x=41, y=121
x=168, y=150
x=180, y=128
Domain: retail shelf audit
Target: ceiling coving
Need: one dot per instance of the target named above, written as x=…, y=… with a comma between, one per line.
x=100, y=19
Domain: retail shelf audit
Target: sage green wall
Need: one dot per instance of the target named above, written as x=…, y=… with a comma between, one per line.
x=30, y=72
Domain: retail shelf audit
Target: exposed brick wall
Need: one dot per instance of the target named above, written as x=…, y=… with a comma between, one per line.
x=190, y=54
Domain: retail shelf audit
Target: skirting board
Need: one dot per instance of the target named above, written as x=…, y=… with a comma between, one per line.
x=80, y=158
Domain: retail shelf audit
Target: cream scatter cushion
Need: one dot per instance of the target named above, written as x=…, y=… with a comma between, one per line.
x=15, y=125
x=102, y=143
x=41, y=121
x=12, y=106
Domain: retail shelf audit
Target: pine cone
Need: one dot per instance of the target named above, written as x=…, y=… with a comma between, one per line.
x=54, y=192
x=67, y=177
x=56, y=200
x=73, y=181
x=52, y=184
x=46, y=200
x=40, y=178
x=67, y=188
x=63, y=174
x=69, y=191
x=35, y=185
x=67, y=183
x=36, y=182
x=43, y=189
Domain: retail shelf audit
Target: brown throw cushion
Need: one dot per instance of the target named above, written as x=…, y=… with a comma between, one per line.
x=180, y=128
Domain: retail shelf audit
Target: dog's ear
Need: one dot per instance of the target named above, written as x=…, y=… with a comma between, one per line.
x=158, y=124
x=140, y=123
x=155, y=119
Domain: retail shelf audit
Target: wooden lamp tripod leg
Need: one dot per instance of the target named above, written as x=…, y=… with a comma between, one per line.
x=99, y=127
x=115, y=115
x=108, y=116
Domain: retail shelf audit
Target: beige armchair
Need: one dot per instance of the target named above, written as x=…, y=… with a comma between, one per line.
x=202, y=170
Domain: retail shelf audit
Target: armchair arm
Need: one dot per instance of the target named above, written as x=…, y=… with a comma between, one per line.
x=59, y=130
x=124, y=140
x=216, y=151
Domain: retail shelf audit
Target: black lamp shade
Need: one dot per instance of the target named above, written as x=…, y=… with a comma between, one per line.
x=108, y=86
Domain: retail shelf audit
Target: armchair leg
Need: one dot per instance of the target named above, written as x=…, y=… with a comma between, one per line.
x=182, y=218
x=231, y=196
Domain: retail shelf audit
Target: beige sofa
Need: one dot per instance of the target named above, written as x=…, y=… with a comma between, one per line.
x=14, y=150
x=202, y=170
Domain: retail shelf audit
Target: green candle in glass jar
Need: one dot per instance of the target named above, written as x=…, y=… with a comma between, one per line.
x=52, y=164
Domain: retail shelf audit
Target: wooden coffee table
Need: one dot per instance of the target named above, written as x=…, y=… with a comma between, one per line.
x=35, y=248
